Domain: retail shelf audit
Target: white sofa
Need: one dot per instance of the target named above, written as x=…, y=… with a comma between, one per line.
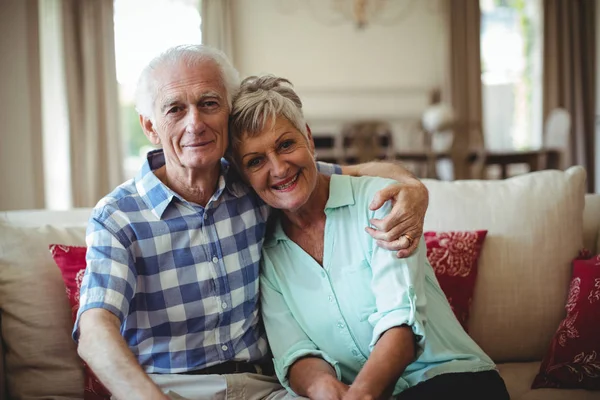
x=536, y=225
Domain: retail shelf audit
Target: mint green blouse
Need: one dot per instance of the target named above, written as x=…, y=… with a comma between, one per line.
x=339, y=311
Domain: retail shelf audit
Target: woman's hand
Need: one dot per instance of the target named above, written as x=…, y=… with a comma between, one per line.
x=401, y=230
x=327, y=387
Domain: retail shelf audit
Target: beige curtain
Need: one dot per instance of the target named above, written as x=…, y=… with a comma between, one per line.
x=569, y=73
x=83, y=156
x=217, y=26
x=464, y=84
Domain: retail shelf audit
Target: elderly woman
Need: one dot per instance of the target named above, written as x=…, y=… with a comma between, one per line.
x=344, y=318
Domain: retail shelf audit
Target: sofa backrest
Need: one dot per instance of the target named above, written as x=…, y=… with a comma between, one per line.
x=535, y=230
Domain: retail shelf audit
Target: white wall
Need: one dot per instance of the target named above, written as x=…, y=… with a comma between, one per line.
x=343, y=73
x=20, y=110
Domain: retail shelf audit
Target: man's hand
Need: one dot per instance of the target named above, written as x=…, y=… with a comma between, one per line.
x=401, y=230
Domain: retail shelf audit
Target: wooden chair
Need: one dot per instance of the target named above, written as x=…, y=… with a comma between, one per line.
x=365, y=141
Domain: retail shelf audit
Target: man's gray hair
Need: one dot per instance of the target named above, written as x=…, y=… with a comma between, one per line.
x=192, y=55
x=261, y=100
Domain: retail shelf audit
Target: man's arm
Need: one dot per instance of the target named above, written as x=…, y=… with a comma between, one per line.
x=411, y=199
x=103, y=348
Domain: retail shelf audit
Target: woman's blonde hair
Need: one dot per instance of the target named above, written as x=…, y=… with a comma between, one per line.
x=261, y=100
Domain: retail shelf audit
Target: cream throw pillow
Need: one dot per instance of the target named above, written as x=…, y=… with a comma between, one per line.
x=535, y=230
x=40, y=357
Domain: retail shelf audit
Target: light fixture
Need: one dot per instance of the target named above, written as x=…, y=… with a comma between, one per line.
x=360, y=12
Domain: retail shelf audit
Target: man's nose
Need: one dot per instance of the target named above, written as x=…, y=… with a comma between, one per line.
x=194, y=121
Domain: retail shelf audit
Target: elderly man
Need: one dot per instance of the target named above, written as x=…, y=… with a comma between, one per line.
x=170, y=294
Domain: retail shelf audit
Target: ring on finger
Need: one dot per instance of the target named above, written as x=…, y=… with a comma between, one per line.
x=409, y=238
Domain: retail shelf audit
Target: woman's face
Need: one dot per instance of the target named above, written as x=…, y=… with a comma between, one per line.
x=279, y=164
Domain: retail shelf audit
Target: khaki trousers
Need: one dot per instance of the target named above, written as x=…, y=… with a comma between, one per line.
x=221, y=387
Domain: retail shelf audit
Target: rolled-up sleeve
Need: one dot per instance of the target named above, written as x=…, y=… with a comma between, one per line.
x=399, y=288
x=110, y=278
x=287, y=339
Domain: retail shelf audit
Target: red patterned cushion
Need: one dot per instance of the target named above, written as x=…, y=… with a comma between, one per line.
x=573, y=360
x=71, y=262
x=454, y=256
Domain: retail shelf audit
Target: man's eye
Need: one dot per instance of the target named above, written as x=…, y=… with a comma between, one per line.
x=174, y=110
x=255, y=162
x=210, y=104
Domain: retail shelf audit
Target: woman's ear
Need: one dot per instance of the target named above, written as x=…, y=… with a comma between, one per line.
x=148, y=128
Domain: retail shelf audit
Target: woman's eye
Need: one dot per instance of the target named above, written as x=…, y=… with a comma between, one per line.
x=253, y=162
x=286, y=144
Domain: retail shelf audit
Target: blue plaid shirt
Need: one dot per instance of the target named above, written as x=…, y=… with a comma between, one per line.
x=181, y=278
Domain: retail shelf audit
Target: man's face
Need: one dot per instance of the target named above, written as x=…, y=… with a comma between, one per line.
x=191, y=115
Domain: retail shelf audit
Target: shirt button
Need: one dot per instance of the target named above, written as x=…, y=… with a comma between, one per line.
x=205, y=216
x=340, y=325
x=224, y=347
x=224, y=305
x=323, y=274
x=215, y=260
x=330, y=298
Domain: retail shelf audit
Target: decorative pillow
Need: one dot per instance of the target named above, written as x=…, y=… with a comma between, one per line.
x=454, y=256
x=71, y=262
x=573, y=360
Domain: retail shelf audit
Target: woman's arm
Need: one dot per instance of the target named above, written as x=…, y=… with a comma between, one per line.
x=398, y=321
x=388, y=360
x=314, y=378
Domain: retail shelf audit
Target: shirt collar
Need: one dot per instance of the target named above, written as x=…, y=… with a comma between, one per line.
x=340, y=195
x=157, y=196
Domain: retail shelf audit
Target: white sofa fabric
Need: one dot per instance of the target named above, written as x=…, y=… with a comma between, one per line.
x=536, y=224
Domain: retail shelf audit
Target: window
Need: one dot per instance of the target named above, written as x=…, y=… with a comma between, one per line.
x=144, y=28
x=511, y=65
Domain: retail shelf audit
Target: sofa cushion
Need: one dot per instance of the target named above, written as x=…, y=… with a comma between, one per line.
x=535, y=225
x=36, y=317
x=453, y=256
x=518, y=377
x=573, y=359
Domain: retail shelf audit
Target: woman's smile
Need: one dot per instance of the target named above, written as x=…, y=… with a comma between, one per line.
x=288, y=184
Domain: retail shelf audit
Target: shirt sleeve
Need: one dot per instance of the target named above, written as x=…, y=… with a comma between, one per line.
x=329, y=169
x=286, y=337
x=110, y=277
x=399, y=288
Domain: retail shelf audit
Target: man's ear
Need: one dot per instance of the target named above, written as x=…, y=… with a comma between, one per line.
x=311, y=142
x=149, y=131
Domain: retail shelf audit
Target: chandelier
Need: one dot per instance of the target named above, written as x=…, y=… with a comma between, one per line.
x=359, y=12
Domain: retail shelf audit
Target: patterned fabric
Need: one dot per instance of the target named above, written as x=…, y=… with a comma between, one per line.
x=71, y=262
x=573, y=360
x=454, y=256
x=182, y=279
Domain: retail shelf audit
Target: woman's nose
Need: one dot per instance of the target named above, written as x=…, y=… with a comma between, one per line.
x=279, y=166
